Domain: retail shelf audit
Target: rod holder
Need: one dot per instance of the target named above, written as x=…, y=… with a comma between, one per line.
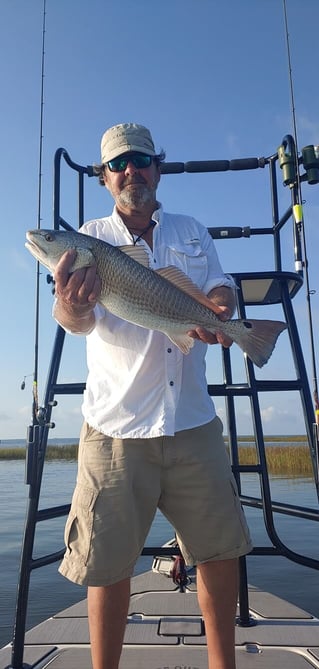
x=310, y=159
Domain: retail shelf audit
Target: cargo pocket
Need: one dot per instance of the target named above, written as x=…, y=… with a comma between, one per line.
x=79, y=525
x=239, y=509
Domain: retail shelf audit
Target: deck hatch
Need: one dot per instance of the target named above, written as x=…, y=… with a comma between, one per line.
x=180, y=627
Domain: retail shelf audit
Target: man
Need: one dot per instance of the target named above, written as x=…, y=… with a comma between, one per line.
x=150, y=436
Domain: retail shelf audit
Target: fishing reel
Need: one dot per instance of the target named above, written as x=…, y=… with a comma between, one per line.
x=50, y=279
x=41, y=415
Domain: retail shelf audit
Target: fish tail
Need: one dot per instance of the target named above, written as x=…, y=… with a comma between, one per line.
x=258, y=339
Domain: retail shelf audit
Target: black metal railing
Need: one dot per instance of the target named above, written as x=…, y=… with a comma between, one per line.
x=284, y=285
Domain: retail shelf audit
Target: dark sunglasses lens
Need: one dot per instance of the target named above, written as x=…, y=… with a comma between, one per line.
x=117, y=164
x=139, y=160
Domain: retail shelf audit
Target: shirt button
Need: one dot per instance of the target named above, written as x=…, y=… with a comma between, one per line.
x=171, y=383
x=169, y=350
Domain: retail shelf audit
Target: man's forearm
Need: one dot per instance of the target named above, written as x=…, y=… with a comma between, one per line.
x=223, y=296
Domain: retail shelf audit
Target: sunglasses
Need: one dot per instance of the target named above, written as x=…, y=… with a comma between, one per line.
x=139, y=160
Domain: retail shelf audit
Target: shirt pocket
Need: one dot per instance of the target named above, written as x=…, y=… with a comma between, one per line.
x=189, y=257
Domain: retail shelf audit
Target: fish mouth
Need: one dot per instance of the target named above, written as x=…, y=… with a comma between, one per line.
x=34, y=248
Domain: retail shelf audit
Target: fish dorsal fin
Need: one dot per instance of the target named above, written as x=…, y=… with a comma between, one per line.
x=138, y=253
x=182, y=281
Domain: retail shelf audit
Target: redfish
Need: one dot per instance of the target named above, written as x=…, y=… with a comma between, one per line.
x=164, y=299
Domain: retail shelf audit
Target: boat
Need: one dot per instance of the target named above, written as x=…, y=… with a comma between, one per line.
x=165, y=628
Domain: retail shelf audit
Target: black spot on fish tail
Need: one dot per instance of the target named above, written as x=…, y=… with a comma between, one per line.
x=258, y=339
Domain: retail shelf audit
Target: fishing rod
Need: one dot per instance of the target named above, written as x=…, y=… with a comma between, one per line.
x=299, y=225
x=35, y=400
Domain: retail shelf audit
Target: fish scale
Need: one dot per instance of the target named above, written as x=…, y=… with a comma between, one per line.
x=164, y=299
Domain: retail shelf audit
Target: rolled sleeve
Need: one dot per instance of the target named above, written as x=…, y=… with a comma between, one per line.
x=215, y=274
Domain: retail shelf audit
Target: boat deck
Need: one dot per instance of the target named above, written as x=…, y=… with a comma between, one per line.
x=165, y=630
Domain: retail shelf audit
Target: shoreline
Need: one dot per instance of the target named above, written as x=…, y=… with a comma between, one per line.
x=7, y=443
x=293, y=460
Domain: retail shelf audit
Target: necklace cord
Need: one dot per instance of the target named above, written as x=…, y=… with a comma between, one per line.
x=148, y=227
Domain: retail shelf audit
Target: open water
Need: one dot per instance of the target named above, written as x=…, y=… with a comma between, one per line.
x=50, y=592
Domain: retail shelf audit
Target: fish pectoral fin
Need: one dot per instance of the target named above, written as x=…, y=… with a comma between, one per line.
x=138, y=253
x=184, y=283
x=84, y=258
x=183, y=341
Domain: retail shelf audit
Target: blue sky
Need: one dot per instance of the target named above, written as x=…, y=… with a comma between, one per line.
x=210, y=78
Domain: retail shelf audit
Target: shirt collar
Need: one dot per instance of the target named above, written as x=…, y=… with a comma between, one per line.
x=156, y=216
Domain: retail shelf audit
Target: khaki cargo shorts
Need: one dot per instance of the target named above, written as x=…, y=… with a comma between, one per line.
x=120, y=485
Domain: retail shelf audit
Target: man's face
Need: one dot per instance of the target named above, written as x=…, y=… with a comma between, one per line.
x=133, y=187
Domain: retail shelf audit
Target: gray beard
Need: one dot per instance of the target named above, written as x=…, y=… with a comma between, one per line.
x=137, y=197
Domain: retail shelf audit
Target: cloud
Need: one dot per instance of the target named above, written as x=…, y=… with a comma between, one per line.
x=269, y=414
x=275, y=419
x=24, y=410
x=220, y=412
x=283, y=421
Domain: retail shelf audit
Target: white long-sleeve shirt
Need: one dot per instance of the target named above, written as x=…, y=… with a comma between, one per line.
x=139, y=384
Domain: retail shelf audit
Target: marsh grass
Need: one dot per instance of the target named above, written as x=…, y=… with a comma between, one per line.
x=289, y=460
x=52, y=453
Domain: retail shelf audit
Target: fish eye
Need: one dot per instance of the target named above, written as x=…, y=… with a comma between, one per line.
x=48, y=237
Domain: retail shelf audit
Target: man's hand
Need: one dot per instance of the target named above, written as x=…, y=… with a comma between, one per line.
x=76, y=294
x=79, y=289
x=224, y=313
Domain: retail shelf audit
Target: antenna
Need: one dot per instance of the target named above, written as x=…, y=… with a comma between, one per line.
x=37, y=290
x=299, y=222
